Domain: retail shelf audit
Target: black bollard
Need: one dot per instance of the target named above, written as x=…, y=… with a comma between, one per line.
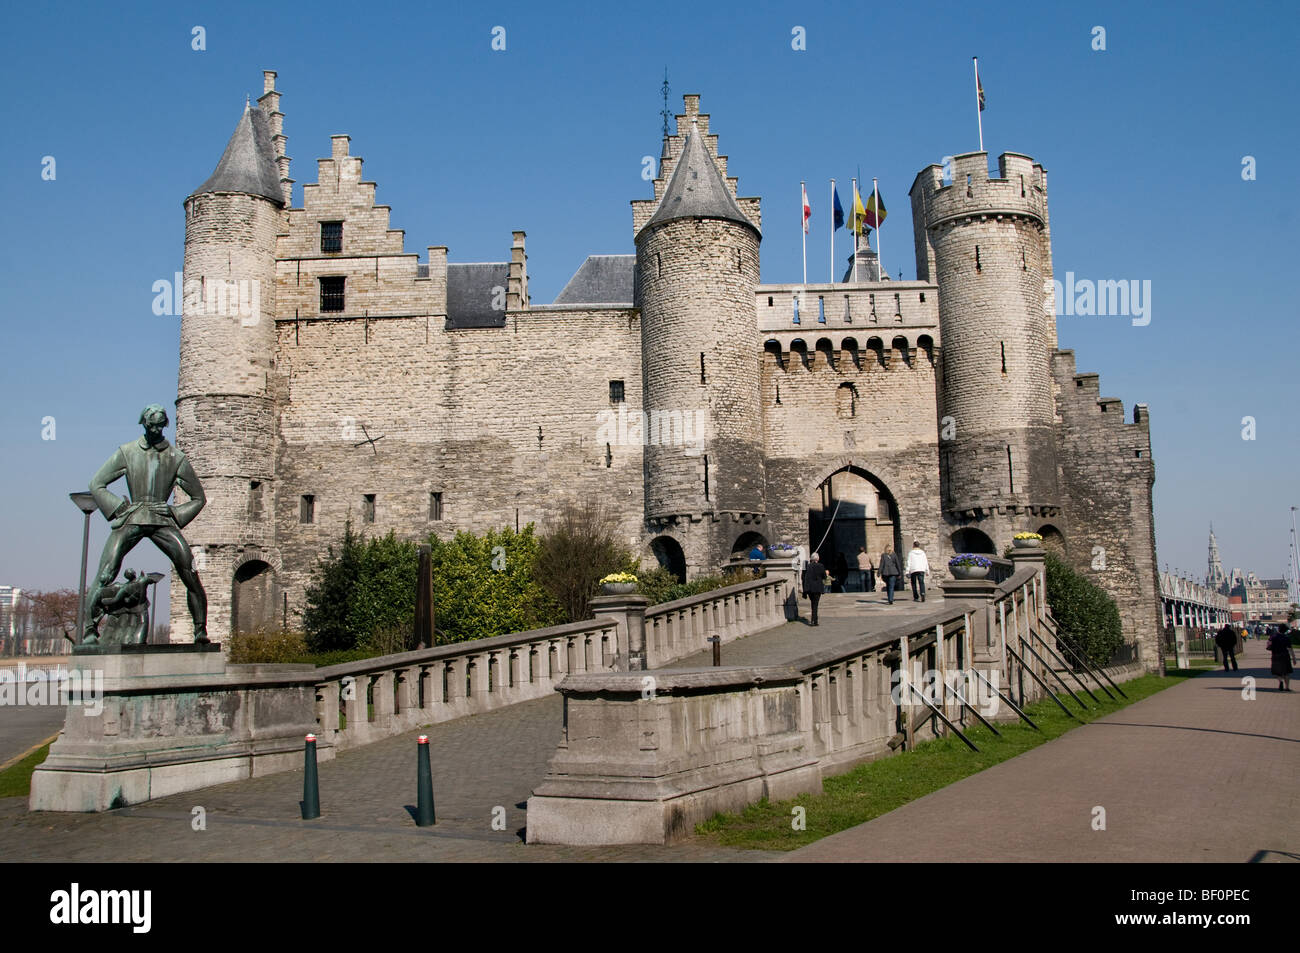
x=424, y=782
x=717, y=649
x=310, y=782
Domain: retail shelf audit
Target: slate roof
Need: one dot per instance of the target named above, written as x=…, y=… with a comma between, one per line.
x=697, y=189
x=601, y=279
x=248, y=164
x=471, y=289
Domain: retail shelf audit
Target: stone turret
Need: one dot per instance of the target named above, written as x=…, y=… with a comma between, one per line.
x=985, y=242
x=225, y=413
x=696, y=270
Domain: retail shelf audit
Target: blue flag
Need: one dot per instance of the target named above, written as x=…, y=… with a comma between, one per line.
x=839, y=210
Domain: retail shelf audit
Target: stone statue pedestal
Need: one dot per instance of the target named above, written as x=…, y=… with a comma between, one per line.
x=148, y=721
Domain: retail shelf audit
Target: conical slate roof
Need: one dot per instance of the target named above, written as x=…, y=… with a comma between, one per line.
x=697, y=189
x=248, y=165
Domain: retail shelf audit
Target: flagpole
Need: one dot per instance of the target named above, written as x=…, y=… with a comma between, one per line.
x=803, y=228
x=853, y=217
x=831, y=205
x=875, y=195
x=979, y=117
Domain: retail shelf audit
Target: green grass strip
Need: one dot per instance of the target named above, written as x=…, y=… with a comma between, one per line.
x=878, y=787
x=16, y=780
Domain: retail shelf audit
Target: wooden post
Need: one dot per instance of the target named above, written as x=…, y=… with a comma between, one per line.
x=424, y=627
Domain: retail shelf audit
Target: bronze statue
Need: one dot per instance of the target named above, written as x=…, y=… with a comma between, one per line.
x=152, y=467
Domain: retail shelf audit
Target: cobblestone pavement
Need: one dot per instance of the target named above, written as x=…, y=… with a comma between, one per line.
x=1194, y=773
x=479, y=763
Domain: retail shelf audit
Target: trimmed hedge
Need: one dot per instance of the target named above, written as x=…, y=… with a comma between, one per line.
x=1086, y=615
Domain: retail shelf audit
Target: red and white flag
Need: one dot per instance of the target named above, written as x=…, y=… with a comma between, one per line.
x=807, y=209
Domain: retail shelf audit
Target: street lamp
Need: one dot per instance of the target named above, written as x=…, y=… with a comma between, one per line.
x=86, y=503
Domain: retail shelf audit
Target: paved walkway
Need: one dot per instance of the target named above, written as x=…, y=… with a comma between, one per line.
x=1194, y=773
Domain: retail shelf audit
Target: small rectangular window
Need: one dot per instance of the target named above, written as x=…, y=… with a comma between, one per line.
x=435, y=505
x=795, y=299
x=331, y=293
x=368, y=508
x=331, y=237
x=616, y=392
x=307, y=508
x=255, y=500
x=821, y=310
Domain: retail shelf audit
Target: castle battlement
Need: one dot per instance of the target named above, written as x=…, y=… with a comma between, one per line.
x=1019, y=190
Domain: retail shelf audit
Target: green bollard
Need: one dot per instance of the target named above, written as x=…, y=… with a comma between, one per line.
x=424, y=782
x=310, y=782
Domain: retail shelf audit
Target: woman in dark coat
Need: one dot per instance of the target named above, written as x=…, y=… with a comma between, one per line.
x=1279, y=646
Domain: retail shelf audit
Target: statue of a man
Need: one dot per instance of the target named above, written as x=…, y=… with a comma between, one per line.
x=152, y=467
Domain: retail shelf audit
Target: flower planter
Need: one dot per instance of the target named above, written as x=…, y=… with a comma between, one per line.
x=618, y=588
x=968, y=572
x=1026, y=543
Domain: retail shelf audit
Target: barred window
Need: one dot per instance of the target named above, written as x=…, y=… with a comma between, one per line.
x=616, y=392
x=307, y=509
x=331, y=237
x=435, y=505
x=331, y=293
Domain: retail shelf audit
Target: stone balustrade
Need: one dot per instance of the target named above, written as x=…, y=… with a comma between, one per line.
x=644, y=759
x=365, y=701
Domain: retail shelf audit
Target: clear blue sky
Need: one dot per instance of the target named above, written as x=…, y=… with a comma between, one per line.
x=1143, y=144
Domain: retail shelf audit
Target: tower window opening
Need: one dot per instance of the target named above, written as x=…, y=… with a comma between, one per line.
x=969, y=193
x=922, y=297
x=706, y=477
x=609, y=456
x=740, y=261
x=821, y=310
x=307, y=508
x=977, y=258
x=616, y=392
x=255, y=500
x=659, y=266
x=1011, y=473
x=795, y=299
x=539, y=436
x=1003, y=345
x=703, y=379
x=778, y=393
x=435, y=505
x=368, y=508
x=1024, y=265
x=898, y=306
x=331, y=237
x=332, y=293
x=1022, y=186
x=848, y=314
x=769, y=301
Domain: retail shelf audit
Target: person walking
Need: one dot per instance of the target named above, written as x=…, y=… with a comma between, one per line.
x=1226, y=639
x=891, y=567
x=866, y=570
x=814, y=583
x=1279, y=647
x=917, y=567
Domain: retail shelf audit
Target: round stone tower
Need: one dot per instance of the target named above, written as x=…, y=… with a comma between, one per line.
x=985, y=242
x=696, y=270
x=225, y=413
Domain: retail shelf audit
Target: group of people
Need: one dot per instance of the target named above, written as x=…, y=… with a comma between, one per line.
x=818, y=578
x=1280, y=650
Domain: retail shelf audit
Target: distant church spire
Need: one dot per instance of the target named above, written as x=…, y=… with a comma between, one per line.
x=1214, y=577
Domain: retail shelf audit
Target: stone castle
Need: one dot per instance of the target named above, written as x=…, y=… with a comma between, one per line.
x=328, y=374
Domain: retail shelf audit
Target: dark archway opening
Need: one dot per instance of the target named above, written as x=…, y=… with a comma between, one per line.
x=1053, y=539
x=970, y=540
x=851, y=510
x=670, y=556
x=254, y=597
x=746, y=542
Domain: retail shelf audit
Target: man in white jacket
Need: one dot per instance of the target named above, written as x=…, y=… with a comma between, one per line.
x=917, y=567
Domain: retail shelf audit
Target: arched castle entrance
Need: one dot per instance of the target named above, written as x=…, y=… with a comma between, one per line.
x=669, y=554
x=746, y=541
x=971, y=540
x=851, y=508
x=254, y=598
x=1053, y=539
